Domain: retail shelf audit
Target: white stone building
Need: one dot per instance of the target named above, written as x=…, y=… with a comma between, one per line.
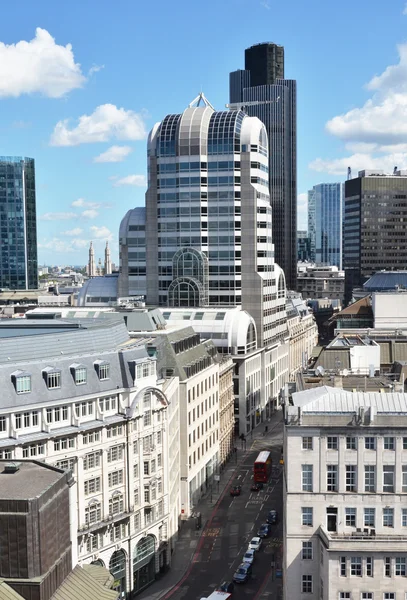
x=81, y=395
x=302, y=331
x=345, y=521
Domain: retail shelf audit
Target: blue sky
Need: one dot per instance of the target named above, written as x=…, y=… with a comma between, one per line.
x=82, y=82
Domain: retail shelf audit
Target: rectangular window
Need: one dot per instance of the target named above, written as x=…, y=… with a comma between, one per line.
x=80, y=375
x=93, y=513
x=23, y=384
x=404, y=478
x=369, y=517
x=356, y=566
x=351, y=443
x=307, y=516
x=136, y=497
x=389, y=596
x=344, y=595
x=332, y=478
x=350, y=517
x=147, y=496
x=137, y=522
x=104, y=371
x=2, y=424
x=332, y=443
x=115, y=453
x=404, y=443
x=342, y=566
x=404, y=517
x=366, y=596
x=116, y=505
x=388, y=517
x=54, y=380
x=370, y=443
x=147, y=418
x=351, y=478
x=92, y=486
x=307, y=478
x=307, y=551
x=400, y=566
x=369, y=566
x=307, y=584
x=370, y=478
x=115, y=478
x=307, y=443
x=388, y=443
x=90, y=461
x=388, y=478
x=387, y=566
x=146, y=468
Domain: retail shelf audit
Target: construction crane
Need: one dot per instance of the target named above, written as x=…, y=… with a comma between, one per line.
x=242, y=105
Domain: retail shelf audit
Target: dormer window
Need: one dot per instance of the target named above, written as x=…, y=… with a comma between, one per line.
x=52, y=378
x=79, y=373
x=21, y=381
x=102, y=369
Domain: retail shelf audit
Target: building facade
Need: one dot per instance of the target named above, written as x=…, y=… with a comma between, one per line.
x=303, y=333
x=374, y=232
x=208, y=174
x=18, y=220
x=321, y=282
x=262, y=91
x=345, y=467
x=325, y=223
x=89, y=402
x=303, y=246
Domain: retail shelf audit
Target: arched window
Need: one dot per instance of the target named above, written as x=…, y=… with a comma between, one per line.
x=117, y=563
x=281, y=286
x=99, y=563
x=184, y=292
x=116, y=504
x=251, y=338
x=92, y=512
x=143, y=551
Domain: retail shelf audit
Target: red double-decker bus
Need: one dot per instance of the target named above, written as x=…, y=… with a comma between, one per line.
x=262, y=467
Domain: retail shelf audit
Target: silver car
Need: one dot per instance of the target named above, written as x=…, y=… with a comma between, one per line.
x=248, y=557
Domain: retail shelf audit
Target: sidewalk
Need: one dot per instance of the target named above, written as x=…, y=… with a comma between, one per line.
x=189, y=537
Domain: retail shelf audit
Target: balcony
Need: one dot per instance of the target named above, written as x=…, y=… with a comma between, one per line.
x=364, y=540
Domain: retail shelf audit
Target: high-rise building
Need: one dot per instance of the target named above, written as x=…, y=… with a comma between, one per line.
x=325, y=224
x=261, y=91
x=374, y=227
x=18, y=223
x=208, y=174
x=303, y=246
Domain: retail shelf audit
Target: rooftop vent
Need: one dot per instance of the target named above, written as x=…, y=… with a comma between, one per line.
x=11, y=468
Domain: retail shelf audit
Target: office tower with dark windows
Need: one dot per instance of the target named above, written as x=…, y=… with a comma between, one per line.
x=18, y=224
x=374, y=226
x=325, y=224
x=262, y=91
x=204, y=237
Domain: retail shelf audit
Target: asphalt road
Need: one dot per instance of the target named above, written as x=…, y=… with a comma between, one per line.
x=233, y=523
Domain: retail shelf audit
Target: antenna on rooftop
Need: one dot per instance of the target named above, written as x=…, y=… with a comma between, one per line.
x=349, y=173
x=395, y=171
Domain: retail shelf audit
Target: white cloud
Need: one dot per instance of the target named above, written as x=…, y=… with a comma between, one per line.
x=81, y=203
x=358, y=162
x=137, y=180
x=38, y=66
x=58, y=216
x=89, y=214
x=113, y=154
x=57, y=245
x=405, y=9
x=302, y=211
x=95, y=69
x=105, y=123
x=101, y=232
x=73, y=232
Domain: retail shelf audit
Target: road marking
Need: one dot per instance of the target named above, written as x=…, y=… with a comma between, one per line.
x=212, y=532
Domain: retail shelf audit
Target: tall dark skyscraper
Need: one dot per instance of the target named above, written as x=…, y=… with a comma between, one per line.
x=18, y=224
x=261, y=91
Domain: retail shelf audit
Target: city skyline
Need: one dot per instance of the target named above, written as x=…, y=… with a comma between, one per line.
x=86, y=128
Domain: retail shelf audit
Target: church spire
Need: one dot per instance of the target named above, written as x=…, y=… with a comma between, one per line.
x=91, y=264
x=108, y=262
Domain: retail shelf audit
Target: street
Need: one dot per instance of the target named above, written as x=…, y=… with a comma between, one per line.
x=234, y=521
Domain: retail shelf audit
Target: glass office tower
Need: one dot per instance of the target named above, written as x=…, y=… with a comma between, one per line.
x=261, y=91
x=18, y=223
x=325, y=224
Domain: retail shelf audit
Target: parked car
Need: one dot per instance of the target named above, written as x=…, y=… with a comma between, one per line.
x=242, y=573
x=256, y=486
x=226, y=586
x=236, y=490
x=248, y=556
x=264, y=530
x=255, y=544
x=272, y=517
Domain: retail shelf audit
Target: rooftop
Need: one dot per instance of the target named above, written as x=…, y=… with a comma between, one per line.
x=327, y=399
x=30, y=481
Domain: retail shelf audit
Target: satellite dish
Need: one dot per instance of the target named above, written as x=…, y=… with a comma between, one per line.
x=320, y=370
x=345, y=372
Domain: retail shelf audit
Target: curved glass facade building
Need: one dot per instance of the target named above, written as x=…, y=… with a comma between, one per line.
x=18, y=224
x=206, y=230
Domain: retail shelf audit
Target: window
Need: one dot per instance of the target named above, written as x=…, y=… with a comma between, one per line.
x=369, y=566
x=33, y=450
x=80, y=375
x=136, y=497
x=64, y=444
x=307, y=483
x=306, y=513
x=135, y=471
x=23, y=384
x=344, y=595
x=146, y=468
x=388, y=478
x=404, y=478
x=5, y=454
x=307, y=551
x=159, y=438
x=103, y=370
x=307, y=443
x=94, y=543
x=67, y=464
x=115, y=478
x=350, y=517
x=370, y=478
x=137, y=521
x=53, y=379
x=116, y=504
x=387, y=566
x=115, y=431
x=388, y=517
x=108, y=404
x=366, y=596
x=83, y=409
x=307, y=584
x=93, y=513
x=342, y=566
x=118, y=532
x=159, y=460
x=370, y=443
x=351, y=478
x=115, y=453
x=404, y=517
x=388, y=443
x=90, y=461
x=147, y=496
x=400, y=566
x=356, y=566
x=389, y=596
x=351, y=443
x=332, y=443
x=91, y=438
x=92, y=486
x=404, y=443
x=147, y=418
x=332, y=478
x=369, y=517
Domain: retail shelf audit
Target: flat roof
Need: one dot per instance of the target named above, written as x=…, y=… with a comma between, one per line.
x=32, y=479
